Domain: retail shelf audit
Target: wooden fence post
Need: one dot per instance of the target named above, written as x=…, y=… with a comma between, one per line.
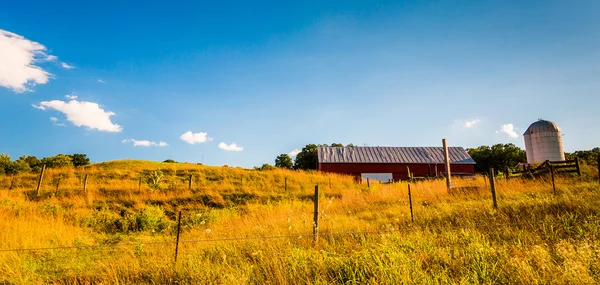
x=285, y=183
x=177, y=240
x=412, y=218
x=329, y=183
x=40, y=180
x=506, y=172
x=140, y=183
x=12, y=182
x=447, y=163
x=57, y=184
x=552, y=174
x=368, y=183
x=190, y=184
x=316, y=215
x=493, y=186
x=577, y=166
x=85, y=181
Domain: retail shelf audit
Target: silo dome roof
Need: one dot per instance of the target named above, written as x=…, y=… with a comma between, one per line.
x=542, y=126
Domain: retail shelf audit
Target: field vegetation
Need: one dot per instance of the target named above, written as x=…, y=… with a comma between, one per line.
x=242, y=226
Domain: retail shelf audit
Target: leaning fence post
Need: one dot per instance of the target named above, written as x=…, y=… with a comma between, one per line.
x=577, y=166
x=85, y=181
x=12, y=182
x=140, y=183
x=368, y=183
x=412, y=218
x=190, y=184
x=57, y=184
x=493, y=186
x=177, y=240
x=316, y=215
x=40, y=180
x=552, y=174
x=285, y=183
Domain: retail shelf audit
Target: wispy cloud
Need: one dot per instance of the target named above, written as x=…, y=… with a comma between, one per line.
x=471, y=123
x=101, y=81
x=231, y=147
x=55, y=121
x=294, y=152
x=509, y=129
x=83, y=114
x=66, y=66
x=195, y=138
x=144, y=143
x=71, y=97
x=17, y=58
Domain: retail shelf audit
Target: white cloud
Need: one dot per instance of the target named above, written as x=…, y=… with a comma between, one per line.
x=54, y=119
x=101, y=81
x=195, y=138
x=509, y=129
x=18, y=71
x=231, y=147
x=471, y=123
x=71, y=97
x=145, y=143
x=65, y=65
x=83, y=114
x=55, y=122
x=294, y=152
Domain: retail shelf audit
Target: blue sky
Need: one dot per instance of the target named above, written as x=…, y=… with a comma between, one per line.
x=237, y=83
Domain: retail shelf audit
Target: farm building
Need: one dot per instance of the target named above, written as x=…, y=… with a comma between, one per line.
x=393, y=163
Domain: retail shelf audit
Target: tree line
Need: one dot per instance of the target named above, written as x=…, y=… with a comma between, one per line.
x=27, y=163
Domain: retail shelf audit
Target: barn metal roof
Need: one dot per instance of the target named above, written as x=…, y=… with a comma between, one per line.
x=381, y=154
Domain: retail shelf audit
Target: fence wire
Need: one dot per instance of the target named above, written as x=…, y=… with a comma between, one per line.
x=296, y=236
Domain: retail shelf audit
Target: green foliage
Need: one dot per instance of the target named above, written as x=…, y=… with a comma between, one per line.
x=154, y=179
x=497, y=156
x=265, y=166
x=79, y=159
x=59, y=160
x=307, y=159
x=284, y=161
x=589, y=157
x=170, y=161
x=4, y=162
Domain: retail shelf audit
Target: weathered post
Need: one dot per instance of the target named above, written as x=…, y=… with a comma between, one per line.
x=447, y=162
x=506, y=172
x=140, y=183
x=285, y=183
x=577, y=166
x=12, y=182
x=368, y=183
x=412, y=218
x=552, y=174
x=493, y=186
x=177, y=240
x=190, y=184
x=40, y=180
x=85, y=180
x=57, y=184
x=316, y=215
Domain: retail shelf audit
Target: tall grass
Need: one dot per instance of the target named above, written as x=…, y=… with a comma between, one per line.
x=241, y=226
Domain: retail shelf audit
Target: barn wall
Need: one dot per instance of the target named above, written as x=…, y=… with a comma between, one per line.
x=399, y=171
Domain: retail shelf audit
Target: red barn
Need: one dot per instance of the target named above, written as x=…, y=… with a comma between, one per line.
x=394, y=162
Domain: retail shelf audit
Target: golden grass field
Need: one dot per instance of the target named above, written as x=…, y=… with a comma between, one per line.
x=240, y=226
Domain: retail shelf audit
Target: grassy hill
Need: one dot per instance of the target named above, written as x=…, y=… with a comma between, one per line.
x=243, y=226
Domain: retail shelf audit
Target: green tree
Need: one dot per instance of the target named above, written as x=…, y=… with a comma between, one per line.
x=79, y=159
x=59, y=160
x=307, y=159
x=265, y=166
x=5, y=162
x=497, y=156
x=31, y=160
x=284, y=161
x=589, y=157
x=337, y=145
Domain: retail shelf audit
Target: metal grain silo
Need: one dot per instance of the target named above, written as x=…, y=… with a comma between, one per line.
x=543, y=142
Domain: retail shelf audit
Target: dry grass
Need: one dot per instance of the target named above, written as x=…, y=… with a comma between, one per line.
x=533, y=237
